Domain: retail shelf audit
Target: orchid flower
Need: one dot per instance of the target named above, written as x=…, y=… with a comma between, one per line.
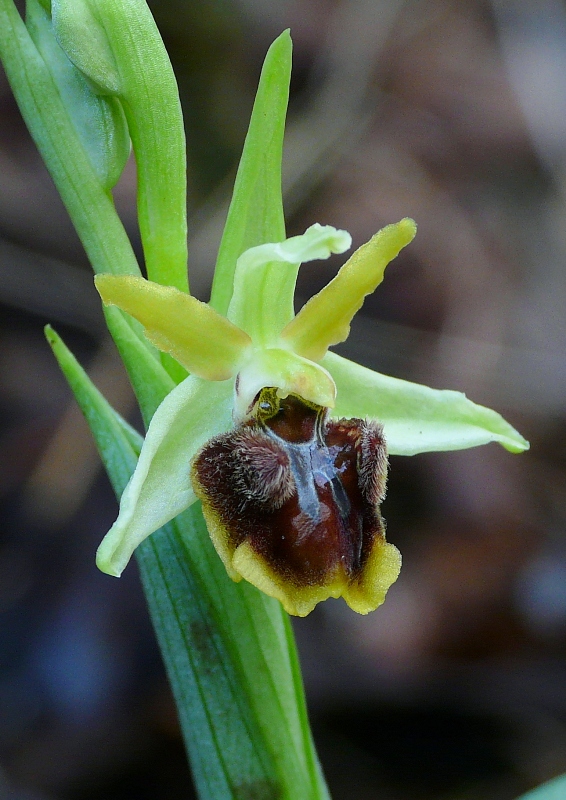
x=284, y=442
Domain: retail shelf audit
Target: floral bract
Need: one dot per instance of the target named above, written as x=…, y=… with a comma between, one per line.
x=275, y=429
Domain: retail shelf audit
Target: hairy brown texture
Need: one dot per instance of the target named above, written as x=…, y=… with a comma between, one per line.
x=302, y=490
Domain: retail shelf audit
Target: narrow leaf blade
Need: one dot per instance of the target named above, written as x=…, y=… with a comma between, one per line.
x=227, y=748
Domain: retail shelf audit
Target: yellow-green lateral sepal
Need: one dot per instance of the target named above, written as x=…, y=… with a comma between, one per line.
x=202, y=340
x=416, y=418
x=160, y=487
x=289, y=373
x=325, y=319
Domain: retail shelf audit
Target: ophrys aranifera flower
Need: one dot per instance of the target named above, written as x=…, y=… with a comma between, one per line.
x=284, y=443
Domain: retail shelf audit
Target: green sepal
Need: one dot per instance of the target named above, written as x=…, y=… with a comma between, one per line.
x=416, y=418
x=117, y=45
x=160, y=487
x=265, y=278
x=256, y=211
x=99, y=120
x=552, y=790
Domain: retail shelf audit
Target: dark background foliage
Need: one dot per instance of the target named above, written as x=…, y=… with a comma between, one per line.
x=450, y=111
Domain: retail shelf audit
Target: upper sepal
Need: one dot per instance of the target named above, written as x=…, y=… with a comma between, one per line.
x=265, y=278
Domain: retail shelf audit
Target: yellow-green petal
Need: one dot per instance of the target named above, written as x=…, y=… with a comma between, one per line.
x=202, y=340
x=286, y=371
x=325, y=319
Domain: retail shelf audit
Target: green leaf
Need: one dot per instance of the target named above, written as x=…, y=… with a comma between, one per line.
x=256, y=211
x=228, y=649
x=238, y=666
x=150, y=381
x=118, y=443
x=117, y=45
x=553, y=790
x=228, y=750
x=265, y=278
x=416, y=419
x=205, y=681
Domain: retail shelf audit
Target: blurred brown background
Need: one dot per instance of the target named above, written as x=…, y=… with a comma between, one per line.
x=452, y=112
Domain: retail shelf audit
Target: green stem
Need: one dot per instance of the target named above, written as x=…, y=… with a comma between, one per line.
x=228, y=648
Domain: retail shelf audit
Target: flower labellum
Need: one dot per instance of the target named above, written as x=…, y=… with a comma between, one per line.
x=291, y=500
